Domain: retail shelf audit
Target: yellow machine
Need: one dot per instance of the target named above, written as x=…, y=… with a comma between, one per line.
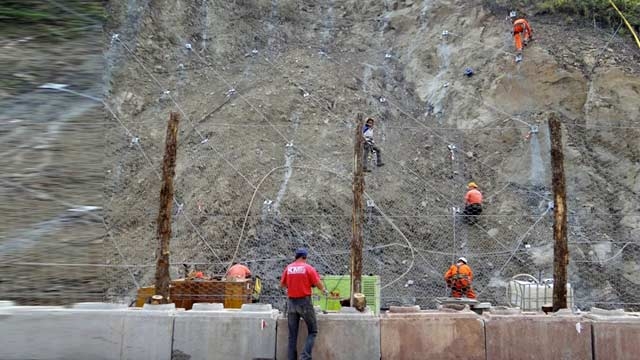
x=185, y=292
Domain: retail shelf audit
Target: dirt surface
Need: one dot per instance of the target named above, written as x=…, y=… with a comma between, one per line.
x=52, y=153
x=265, y=169
x=268, y=91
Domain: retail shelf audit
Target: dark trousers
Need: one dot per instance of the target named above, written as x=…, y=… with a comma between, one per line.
x=370, y=147
x=473, y=209
x=301, y=308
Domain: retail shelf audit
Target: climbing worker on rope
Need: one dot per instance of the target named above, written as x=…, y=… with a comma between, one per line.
x=237, y=272
x=369, y=145
x=472, y=202
x=522, y=33
x=459, y=278
x=298, y=278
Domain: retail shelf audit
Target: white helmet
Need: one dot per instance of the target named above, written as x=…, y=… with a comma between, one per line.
x=463, y=259
x=513, y=14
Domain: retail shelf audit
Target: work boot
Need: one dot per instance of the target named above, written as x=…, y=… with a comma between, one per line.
x=366, y=170
x=380, y=164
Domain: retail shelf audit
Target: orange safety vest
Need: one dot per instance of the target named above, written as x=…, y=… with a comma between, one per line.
x=521, y=25
x=473, y=196
x=460, y=274
x=238, y=271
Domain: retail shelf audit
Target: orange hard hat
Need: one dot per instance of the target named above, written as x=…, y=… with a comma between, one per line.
x=199, y=274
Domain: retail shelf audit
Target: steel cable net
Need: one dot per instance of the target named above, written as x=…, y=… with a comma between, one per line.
x=265, y=166
x=284, y=188
x=412, y=230
x=287, y=184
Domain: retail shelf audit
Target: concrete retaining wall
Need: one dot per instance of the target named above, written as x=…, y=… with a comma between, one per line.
x=434, y=335
x=108, y=331
x=537, y=337
x=616, y=335
x=59, y=333
x=225, y=334
x=340, y=336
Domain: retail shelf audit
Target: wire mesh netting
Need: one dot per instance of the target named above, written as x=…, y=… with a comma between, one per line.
x=265, y=166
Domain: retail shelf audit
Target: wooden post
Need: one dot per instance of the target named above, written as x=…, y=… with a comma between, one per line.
x=358, y=211
x=163, y=279
x=560, y=249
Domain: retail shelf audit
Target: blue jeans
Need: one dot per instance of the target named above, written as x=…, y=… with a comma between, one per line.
x=301, y=308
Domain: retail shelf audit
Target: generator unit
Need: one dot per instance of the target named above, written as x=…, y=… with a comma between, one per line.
x=339, y=288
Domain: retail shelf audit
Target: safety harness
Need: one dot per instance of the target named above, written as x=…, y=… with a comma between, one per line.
x=518, y=26
x=456, y=279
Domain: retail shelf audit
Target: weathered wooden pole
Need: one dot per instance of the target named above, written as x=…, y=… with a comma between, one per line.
x=163, y=279
x=560, y=249
x=358, y=212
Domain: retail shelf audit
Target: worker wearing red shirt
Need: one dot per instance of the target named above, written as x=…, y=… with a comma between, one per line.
x=298, y=278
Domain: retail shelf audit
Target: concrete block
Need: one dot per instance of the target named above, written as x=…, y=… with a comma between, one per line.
x=615, y=336
x=340, y=336
x=147, y=334
x=159, y=307
x=208, y=307
x=47, y=333
x=256, y=307
x=229, y=334
x=7, y=303
x=434, y=335
x=99, y=306
x=541, y=336
x=404, y=309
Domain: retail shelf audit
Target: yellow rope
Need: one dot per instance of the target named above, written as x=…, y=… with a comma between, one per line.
x=626, y=22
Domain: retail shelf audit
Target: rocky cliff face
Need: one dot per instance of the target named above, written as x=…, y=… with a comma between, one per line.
x=269, y=90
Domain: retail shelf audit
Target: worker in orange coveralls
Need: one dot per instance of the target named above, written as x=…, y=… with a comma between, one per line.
x=238, y=272
x=459, y=278
x=522, y=33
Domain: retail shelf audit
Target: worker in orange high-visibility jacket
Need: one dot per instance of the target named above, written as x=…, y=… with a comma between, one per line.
x=473, y=200
x=459, y=278
x=237, y=272
x=522, y=33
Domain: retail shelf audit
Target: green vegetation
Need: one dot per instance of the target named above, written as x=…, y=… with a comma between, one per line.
x=600, y=11
x=20, y=16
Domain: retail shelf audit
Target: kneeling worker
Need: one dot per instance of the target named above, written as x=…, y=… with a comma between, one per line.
x=473, y=200
x=237, y=272
x=459, y=278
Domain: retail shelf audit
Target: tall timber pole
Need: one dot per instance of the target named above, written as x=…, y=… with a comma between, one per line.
x=163, y=279
x=561, y=248
x=358, y=213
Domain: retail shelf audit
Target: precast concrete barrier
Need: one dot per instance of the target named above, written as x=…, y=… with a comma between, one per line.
x=344, y=335
x=537, y=336
x=616, y=334
x=430, y=334
x=87, y=332
x=208, y=331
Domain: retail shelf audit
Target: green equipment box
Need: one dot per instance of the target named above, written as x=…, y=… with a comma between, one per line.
x=339, y=287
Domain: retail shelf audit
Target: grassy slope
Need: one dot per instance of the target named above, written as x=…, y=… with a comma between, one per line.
x=19, y=17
